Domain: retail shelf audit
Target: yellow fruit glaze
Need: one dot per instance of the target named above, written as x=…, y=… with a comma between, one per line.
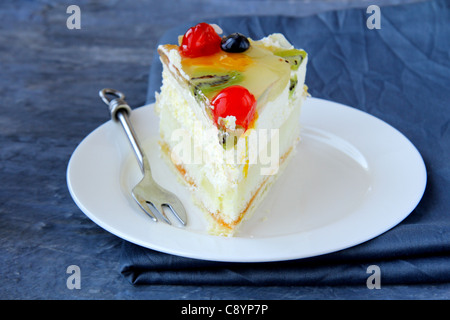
x=264, y=74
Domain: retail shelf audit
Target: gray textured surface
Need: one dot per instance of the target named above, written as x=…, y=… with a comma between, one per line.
x=49, y=81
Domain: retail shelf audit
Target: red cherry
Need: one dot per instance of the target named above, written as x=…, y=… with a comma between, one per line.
x=234, y=101
x=200, y=40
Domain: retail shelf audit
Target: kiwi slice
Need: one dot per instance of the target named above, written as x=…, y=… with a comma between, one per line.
x=293, y=56
x=213, y=82
x=228, y=139
x=292, y=84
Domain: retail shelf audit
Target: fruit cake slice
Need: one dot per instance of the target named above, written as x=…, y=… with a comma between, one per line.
x=229, y=109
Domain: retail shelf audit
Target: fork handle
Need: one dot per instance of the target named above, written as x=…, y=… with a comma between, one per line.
x=120, y=111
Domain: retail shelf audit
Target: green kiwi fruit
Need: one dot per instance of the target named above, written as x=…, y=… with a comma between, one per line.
x=293, y=56
x=229, y=138
x=292, y=84
x=209, y=83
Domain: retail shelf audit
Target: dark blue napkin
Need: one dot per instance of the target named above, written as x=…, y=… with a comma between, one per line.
x=399, y=73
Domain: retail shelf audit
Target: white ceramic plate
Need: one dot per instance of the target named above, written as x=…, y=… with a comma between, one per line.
x=353, y=178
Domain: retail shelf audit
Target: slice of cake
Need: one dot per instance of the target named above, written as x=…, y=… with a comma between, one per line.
x=229, y=117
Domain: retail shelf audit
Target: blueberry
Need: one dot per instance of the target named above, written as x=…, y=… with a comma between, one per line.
x=235, y=42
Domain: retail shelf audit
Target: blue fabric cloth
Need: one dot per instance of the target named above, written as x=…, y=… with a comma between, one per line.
x=400, y=74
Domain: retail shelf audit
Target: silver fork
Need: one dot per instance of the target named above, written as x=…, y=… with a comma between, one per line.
x=149, y=195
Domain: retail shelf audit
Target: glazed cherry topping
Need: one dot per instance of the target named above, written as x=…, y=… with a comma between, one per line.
x=235, y=101
x=200, y=40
